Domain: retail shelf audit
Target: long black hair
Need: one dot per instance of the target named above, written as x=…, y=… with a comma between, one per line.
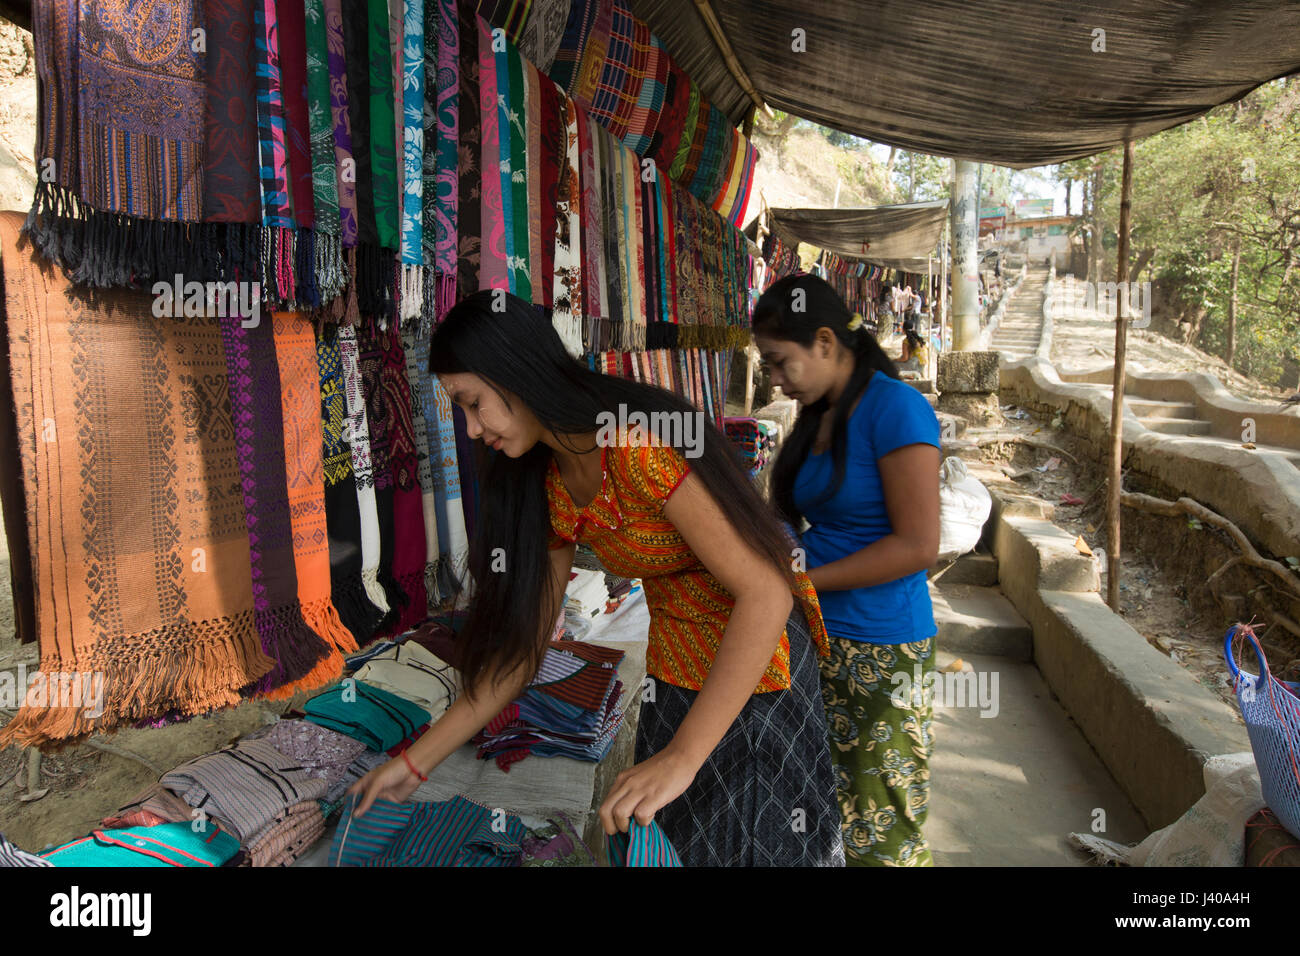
x=793, y=309
x=516, y=349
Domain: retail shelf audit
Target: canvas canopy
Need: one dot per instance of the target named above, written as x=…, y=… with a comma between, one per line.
x=1001, y=81
x=896, y=237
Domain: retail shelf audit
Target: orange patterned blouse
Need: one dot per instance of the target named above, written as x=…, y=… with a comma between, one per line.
x=689, y=608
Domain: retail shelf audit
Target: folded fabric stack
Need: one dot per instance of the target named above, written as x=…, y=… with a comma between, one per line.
x=416, y=674
x=754, y=438
x=247, y=788
x=12, y=857
x=379, y=719
x=569, y=710
x=289, y=836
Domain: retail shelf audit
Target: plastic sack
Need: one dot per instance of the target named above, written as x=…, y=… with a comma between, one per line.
x=964, y=506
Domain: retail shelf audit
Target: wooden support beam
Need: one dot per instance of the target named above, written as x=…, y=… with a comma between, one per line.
x=1116, y=489
x=728, y=54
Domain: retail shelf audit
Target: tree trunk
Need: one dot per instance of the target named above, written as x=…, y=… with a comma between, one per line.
x=1195, y=331
x=1141, y=263
x=1068, y=184
x=1232, y=302
x=1098, y=254
x=911, y=176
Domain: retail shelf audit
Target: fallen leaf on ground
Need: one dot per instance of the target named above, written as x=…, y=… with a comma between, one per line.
x=1082, y=546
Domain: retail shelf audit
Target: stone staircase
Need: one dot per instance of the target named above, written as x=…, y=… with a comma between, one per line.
x=1018, y=333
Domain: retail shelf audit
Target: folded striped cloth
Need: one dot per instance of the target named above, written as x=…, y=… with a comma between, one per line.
x=285, y=839
x=11, y=856
x=570, y=709
x=244, y=787
x=452, y=833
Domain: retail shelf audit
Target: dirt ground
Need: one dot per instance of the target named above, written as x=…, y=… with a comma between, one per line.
x=1082, y=341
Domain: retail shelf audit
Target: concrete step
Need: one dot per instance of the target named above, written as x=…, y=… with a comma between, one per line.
x=1145, y=408
x=979, y=620
x=977, y=567
x=1177, y=426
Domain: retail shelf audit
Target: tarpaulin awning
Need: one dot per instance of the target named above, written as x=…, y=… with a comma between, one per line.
x=1000, y=81
x=896, y=237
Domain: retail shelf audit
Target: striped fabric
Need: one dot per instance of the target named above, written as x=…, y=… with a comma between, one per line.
x=245, y=787
x=11, y=856
x=289, y=837
x=644, y=119
x=155, y=805
x=452, y=833
x=642, y=846
x=377, y=718
x=620, y=81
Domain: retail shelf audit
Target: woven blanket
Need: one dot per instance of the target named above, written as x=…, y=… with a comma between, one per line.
x=136, y=524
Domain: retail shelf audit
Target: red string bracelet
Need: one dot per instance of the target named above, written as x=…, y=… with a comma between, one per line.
x=422, y=777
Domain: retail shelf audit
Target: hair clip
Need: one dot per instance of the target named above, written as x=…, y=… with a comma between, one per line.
x=856, y=322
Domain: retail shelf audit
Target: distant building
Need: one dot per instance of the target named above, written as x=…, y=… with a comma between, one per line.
x=1035, y=238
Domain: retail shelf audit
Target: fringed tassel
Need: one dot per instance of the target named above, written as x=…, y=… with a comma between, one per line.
x=330, y=276
x=323, y=619
x=412, y=291
x=296, y=649
x=308, y=295
x=354, y=607
x=190, y=669
x=375, y=591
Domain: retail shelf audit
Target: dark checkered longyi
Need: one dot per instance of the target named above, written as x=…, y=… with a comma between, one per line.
x=766, y=795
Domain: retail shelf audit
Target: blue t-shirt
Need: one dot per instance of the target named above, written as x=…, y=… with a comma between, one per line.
x=891, y=414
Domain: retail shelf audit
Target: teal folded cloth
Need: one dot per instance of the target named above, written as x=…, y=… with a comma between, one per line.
x=642, y=846
x=375, y=717
x=167, y=844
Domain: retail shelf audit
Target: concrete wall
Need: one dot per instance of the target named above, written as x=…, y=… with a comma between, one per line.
x=1150, y=721
x=1214, y=403
x=1257, y=490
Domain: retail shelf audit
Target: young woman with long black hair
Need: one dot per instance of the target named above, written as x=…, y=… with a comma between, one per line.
x=732, y=756
x=861, y=466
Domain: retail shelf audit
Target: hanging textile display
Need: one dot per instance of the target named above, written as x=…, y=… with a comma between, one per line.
x=441, y=164
x=157, y=602
x=608, y=60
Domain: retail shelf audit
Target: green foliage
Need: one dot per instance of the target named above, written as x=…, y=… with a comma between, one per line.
x=1201, y=189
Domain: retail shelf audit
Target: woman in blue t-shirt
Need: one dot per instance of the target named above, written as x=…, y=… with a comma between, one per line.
x=861, y=467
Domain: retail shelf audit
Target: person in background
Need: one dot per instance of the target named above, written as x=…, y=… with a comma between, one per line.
x=861, y=470
x=915, y=351
x=731, y=737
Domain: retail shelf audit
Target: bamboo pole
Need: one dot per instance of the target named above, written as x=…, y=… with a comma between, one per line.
x=1115, y=490
x=728, y=55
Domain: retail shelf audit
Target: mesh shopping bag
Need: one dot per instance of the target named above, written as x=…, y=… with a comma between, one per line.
x=1271, y=709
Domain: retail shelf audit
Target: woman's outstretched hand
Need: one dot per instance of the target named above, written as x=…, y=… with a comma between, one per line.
x=641, y=791
x=392, y=781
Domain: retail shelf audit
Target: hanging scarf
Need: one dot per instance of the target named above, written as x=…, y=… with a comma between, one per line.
x=342, y=512
x=690, y=125
x=257, y=414
x=467, y=465
x=157, y=601
x=699, y=137
x=650, y=103
x=568, y=292
x=358, y=434
x=453, y=545
x=493, y=86
x=611, y=213
x=345, y=169
x=552, y=128
x=469, y=181
x=593, y=239
x=230, y=186
x=277, y=216
x=330, y=277
x=383, y=157
x=573, y=43
x=379, y=418
x=293, y=91
x=413, y=57
x=416, y=350
x=295, y=352
x=408, y=510
x=514, y=171
x=441, y=160
x=539, y=280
